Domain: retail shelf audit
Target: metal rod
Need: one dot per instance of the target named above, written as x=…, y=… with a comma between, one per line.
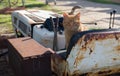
x=91, y=23
x=110, y=20
x=56, y=29
x=52, y=22
x=114, y=12
x=55, y=26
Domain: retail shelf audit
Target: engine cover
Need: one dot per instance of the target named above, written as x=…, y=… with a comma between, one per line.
x=45, y=37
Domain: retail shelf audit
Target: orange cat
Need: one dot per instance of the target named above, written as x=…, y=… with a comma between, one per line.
x=72, y=25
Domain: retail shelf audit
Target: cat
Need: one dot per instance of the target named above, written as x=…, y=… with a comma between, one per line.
x=72, y=25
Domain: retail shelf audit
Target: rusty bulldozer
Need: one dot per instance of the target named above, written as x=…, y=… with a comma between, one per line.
x=90, y=53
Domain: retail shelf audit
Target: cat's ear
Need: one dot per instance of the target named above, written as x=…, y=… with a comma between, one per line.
x=65, y=14
x=78, y=14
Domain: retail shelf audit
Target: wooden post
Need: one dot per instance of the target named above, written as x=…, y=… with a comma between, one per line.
x=46, y=2
x=9, y=3
x=23, y=2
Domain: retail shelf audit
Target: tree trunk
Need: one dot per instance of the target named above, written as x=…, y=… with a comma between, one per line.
x=23, y=2
x=9, y=3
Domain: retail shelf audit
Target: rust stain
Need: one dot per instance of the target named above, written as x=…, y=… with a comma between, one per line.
x=46, y=41
x=76, y=73
x=87, y=42
x=87, y=37
x=103, y=72
x=80, y=41
x=107, y=72
x=118, y=48
x=90, y=51
x=116, y=37
x=114, y=58
x=101, y=36
x=78, y=59
x=83, y=48
x=59, y=65
x=24, y=44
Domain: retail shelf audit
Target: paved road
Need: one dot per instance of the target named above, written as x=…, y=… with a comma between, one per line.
x=91, y=12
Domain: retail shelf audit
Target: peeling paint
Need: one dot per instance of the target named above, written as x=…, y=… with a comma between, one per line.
x=94, y=54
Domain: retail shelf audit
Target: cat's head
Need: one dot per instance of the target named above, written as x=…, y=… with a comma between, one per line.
x=71, y=22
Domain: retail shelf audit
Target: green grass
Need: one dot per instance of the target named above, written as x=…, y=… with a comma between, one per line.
x=5, y=23
x=105, y=1
x=3, y=3
x=5, y=19
x=102, y=1
x=39, y=5
x=35, y=4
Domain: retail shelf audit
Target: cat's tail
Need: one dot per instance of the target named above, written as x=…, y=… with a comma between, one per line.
x=73, y=9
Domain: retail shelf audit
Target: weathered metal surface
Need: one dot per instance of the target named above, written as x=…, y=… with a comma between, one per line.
x=23, y=21
x=5, y=69
x=2, y=43
x=32, y=16
x=45, y=37
x=99, y=53
x=59, y=65
x=27, y=47
x=28, y=58
x=94, y=54
x=29, y=23
x=3, y=38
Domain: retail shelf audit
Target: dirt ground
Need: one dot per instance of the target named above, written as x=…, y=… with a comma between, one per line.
x=91, y=12
x=116, y=1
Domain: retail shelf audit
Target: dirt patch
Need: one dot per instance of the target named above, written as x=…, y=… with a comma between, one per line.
x=9, y=10
x=116, y=1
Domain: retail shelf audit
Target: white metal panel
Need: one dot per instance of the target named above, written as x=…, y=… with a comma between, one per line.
x=98, y=55
x=45, y=37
